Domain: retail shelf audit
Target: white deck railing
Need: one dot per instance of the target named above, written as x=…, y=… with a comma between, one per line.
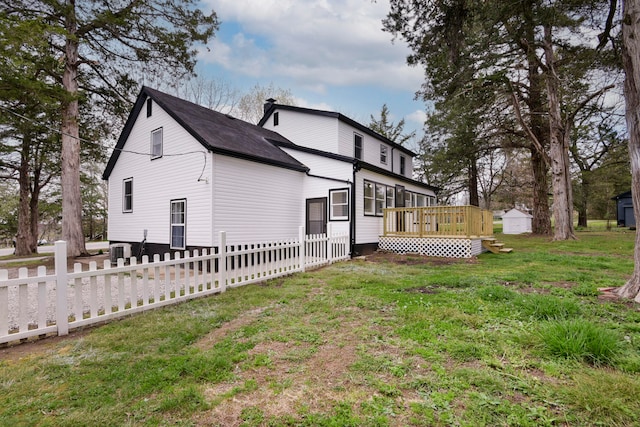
x=55, y=303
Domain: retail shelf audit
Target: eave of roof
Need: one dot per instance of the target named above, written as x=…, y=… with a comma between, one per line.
x=272, y=107
x=359, y=164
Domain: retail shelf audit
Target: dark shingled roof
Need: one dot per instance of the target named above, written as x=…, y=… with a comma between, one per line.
x=217, y=132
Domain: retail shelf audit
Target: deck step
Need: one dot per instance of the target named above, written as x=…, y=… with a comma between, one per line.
x=492, y=245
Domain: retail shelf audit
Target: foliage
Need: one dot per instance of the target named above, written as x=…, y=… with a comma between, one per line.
x=390, y=130
x=250, y=107
x=495, y=90
x=96, y=51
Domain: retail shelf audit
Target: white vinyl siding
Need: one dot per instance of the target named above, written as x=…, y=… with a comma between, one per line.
x=254, y=202
x=308, y=130
x=159, y=182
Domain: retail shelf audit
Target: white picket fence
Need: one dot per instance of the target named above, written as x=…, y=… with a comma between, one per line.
x=47, y=304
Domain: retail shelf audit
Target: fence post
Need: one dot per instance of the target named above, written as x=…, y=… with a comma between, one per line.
x=329, y=243
x=301, y=249
x=62, y=315
x=222, y=261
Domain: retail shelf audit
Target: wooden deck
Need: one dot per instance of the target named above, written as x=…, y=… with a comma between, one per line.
x=438, y=221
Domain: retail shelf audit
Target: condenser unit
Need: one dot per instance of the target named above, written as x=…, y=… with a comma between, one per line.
x=119, y=250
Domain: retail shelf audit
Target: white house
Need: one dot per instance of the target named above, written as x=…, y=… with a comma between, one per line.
x=516, y=222
x=180, y=173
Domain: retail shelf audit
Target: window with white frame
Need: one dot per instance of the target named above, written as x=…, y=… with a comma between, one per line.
x=369, y=198
x=421, y=200
x=381, y=198
x=178, y=223
x=357, y=146
x=391, y=197
x=408, y=199
x=383, y=154
x=127, y=195
x=339, y=209
x=156, y=143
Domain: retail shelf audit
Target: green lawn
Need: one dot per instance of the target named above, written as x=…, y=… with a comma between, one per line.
x=503, y=340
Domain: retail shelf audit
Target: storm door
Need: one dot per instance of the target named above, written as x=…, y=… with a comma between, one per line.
x=317, y=216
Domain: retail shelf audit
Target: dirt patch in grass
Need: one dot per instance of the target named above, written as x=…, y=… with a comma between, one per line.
x=416, y=259
x=296, y=377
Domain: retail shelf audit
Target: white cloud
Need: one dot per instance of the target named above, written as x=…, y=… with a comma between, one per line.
x=418, y=117
x=313, y=42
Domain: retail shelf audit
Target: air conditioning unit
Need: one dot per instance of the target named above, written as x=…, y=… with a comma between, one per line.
x=119, y=250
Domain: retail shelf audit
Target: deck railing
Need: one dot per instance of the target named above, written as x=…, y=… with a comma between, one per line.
x=449, y=221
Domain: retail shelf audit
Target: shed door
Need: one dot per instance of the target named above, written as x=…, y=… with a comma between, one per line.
x=629, y=219
x=317, y=216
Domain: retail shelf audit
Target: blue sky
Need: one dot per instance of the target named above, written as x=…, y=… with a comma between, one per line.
x=331, y=54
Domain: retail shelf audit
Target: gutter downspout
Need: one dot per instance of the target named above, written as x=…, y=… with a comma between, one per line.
x=352, y=228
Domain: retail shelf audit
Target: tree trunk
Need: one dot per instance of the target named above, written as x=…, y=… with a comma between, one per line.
x=70, y=176
x=558, y=151
x=584, y=197
x=538, y=123
x=23, y=239
x=631, y=65
x=34, y=208
x=541, y=223
x=474, y=199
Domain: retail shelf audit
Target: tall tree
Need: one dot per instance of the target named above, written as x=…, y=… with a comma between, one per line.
x=250, y=108
x=522, y=48
x=631, y=65
x=101, y=46
x=390, y=130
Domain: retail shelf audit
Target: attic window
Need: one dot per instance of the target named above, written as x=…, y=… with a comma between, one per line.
x=149, y=107
x=156, y=143
x=276, y=118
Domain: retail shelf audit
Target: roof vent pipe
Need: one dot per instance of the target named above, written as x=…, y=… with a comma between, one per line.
x=268, y=104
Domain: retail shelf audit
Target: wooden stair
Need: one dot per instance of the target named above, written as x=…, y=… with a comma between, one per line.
x=492, y=245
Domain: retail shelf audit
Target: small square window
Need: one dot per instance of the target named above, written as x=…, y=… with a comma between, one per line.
x=156, y=143
x=127, y=195
x=339, y=210
x=383, y=154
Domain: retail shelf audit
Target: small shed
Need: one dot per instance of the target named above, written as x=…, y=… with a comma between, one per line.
x=624, y=209
x=516, y=222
